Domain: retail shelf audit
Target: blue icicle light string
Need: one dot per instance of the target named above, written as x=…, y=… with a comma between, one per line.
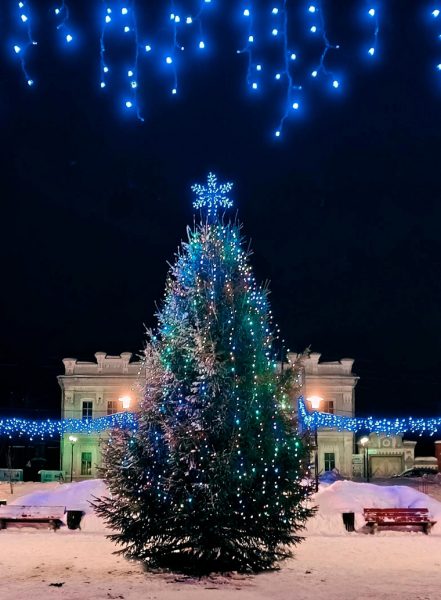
x=170, y=28
x=353, y=424
x=40, y=429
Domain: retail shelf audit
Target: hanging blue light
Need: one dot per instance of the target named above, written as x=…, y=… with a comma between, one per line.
x=353, y=424
x=40, y=429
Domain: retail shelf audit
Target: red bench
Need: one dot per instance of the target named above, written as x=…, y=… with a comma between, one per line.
x=376, y=517
x=25, y=515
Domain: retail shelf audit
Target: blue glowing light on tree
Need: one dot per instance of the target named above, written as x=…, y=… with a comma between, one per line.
x=212, y=197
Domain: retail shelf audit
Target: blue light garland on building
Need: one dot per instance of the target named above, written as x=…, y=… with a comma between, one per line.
x=40, y=429
x=353, y=424
x=276, y=18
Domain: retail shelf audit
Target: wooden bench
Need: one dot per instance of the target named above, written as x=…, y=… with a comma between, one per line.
x=376, y=517
x=31, y=515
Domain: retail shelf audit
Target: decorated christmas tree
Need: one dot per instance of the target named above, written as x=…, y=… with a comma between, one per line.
x=211, y=478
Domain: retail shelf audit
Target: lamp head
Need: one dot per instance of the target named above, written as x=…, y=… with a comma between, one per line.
x=73, y=439
x=125, y=401
x=315, y=401
x=364, y=440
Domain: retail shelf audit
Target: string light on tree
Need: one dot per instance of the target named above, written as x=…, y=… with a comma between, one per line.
x=216, y=419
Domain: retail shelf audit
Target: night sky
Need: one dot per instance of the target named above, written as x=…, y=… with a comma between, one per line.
x=343, y=209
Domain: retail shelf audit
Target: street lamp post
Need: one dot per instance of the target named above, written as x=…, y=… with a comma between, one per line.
x=315, y=405
x=364, y=442
x=72, y=439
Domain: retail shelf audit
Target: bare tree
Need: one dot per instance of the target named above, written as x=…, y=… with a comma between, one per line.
x=9, y=467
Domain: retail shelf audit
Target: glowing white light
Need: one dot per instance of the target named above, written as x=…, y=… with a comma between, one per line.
x=147, y=48
x=17, y=49
x=109, y=10
x=174, y=91
x=201, y=45
x=106, y=69
x=129, y=73
x=274, y=32
x=313, y=29
x=207, y=0
x=125, y=401
x=254, y=86
x=438, y=67
x=275, y=11
x=259, y=67
x=364, y=440
x=246, y=12
x=335, y=84
x=124, y=11
x=24, y=18
x=189, y=20
x=103, y=84
x=134, y=84
x=277, y=133
x=371, y=51
x=20, y=4
x=251, y=38
x=72, y=439
x=69, y=38
x=312, y=9
x=128, y=104
x=372, y=12
x=295, y=105
x=108, y=19
x=168, y=60
x=172, y=17
x=293, y=56
x=57, y=11
x=278, y=76
x=30, y=82
x=177, y=19
x=126, y=29
x=315, y=401
x=314, y=73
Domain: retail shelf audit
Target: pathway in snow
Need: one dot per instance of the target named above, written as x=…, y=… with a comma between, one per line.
x=396, y=566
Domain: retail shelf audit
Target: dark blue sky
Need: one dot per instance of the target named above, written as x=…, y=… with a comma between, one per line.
x=343, y=211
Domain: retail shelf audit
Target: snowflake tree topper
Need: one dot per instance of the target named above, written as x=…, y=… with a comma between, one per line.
x=213, y=196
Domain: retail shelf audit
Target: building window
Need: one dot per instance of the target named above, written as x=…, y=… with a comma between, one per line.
x=328, y=406
x=112, y=407
x=329, y=461
x=87, y=409
x=86, y=463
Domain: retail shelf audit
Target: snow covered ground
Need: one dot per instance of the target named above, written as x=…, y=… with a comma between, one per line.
x=331, y=563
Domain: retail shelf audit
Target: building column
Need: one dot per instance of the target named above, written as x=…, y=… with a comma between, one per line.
x=438, y=454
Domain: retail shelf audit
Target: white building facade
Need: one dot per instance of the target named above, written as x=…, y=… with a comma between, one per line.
x=90, y=390
x=95, y=389
x=334, y=383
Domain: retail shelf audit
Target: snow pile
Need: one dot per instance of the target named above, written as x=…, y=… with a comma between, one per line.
x=330, y=477
x=348, y=496
x=74, y=496
x=335, y=497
